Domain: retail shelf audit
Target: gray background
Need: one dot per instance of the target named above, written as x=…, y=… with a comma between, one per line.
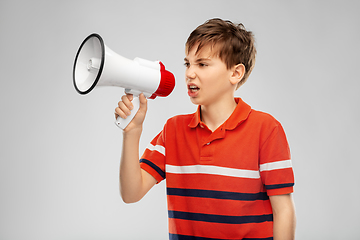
x=60, y=151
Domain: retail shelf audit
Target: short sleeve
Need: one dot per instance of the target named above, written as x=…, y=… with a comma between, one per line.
x=275, y=163
x=153, y=158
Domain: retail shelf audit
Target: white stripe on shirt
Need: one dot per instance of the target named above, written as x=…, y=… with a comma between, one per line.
x=215, y=170
x=158, y=148
x=275, y=165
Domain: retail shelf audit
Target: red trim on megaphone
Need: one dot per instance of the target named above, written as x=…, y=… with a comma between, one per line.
x=167, y=83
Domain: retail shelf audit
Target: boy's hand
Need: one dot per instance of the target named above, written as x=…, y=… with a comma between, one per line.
x=124, y=108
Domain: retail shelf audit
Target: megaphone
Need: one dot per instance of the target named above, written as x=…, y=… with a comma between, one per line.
x=97, y=65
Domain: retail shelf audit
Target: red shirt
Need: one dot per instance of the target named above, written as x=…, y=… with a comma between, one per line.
x=219, y=183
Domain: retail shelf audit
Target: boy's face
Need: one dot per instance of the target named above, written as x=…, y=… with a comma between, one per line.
x=207, y=77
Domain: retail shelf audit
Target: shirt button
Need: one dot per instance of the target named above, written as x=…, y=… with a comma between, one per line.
x=208, y=143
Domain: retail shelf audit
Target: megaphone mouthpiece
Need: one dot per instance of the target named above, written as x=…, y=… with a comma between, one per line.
x=167, y=83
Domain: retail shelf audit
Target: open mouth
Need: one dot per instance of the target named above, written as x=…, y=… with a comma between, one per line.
x=193, y=88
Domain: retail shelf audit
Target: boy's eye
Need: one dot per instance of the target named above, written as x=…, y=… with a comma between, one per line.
x=186, y=64
x=202, y=64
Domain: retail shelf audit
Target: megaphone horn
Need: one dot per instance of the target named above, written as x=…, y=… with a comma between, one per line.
x=97, y=65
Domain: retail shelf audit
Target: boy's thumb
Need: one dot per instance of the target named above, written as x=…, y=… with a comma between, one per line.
x=143, y=103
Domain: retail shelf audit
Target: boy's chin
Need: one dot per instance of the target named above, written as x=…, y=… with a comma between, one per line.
x=195, y=101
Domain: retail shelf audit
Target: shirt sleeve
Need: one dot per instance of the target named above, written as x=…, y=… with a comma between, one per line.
x=275, y=163
x=153, y=158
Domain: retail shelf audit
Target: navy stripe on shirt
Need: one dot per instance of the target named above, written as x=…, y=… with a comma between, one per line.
x=217, y=194
x=186, y=237
x=220, y=218
x=276, y=186
x=152, y=165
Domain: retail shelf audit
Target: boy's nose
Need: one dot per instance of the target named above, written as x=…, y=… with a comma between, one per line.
x=189, y=73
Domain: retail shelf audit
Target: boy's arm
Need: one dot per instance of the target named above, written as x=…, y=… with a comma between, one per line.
x=134, y=181
x=284, y=217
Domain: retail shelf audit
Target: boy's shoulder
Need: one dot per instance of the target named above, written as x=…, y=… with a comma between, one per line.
x=262, y=118
x=178, y=123
x=181, y=118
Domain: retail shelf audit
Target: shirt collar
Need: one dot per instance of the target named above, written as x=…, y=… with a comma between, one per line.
x=239, y=115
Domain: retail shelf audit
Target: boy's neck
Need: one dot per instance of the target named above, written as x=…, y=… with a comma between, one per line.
x=216, y=114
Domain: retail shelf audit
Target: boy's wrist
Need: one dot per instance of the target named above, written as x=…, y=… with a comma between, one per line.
x=132, y=131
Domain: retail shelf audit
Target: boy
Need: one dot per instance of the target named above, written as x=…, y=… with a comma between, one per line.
x=227, y=167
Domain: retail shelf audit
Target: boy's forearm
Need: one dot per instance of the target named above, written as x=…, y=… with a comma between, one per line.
x=130, y=171
x=284, y=226
x=284, y=217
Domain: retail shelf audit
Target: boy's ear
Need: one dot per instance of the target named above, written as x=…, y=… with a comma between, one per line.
x=238, y=72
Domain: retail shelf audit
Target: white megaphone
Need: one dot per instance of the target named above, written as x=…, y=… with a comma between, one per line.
x=97, y=65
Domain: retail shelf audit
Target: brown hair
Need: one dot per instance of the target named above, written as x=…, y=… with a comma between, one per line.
x=233, y=44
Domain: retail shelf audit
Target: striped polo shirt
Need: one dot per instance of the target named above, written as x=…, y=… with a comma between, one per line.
x=219, y=183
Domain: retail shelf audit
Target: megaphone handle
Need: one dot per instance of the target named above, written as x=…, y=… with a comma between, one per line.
x=121, y=122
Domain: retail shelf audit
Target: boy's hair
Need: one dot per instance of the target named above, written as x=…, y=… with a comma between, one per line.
x=230, y=42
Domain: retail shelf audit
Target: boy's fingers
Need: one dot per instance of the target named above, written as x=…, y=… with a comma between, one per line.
x=121, y=113
x=130, y=96
x=126, y=100
x=124, y=106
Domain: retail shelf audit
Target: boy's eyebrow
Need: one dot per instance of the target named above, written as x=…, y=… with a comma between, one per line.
x=198, y=59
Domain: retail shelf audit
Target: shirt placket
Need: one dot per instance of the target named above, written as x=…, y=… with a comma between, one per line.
x=208, y=143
